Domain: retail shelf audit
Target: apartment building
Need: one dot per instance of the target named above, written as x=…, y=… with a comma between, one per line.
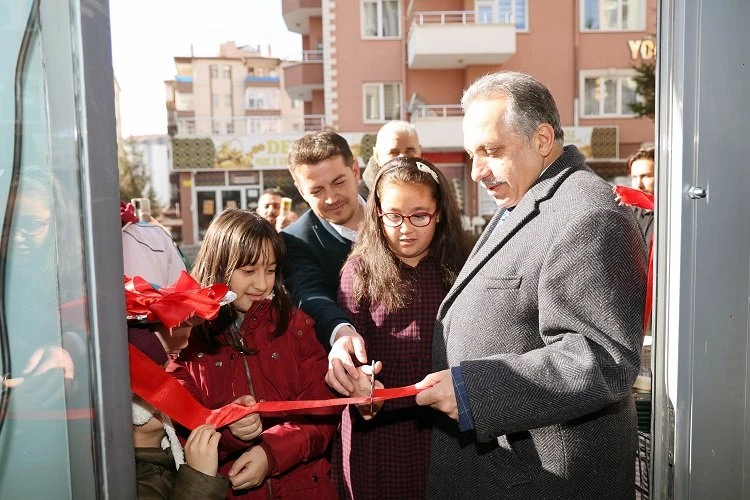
x=230, y=122
x=369, y=61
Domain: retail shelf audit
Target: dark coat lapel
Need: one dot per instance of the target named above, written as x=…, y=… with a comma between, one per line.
x=325, y=231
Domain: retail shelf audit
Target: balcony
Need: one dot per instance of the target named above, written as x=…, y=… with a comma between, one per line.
x=302, y=77
x=456, y=39
x=297, y=14
x=262, y=81
x=439, y=126
x=238, y=126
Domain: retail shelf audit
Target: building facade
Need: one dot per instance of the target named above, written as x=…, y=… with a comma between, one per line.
x=230, y=122
x=369, y=61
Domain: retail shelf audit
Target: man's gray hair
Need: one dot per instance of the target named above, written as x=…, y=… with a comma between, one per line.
x=529, y=101
x=397, y=127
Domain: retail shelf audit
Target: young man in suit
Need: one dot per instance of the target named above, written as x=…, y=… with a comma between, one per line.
x=326, y=175
x=537, y=345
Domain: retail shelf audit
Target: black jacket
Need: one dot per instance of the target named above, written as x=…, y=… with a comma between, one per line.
x=316, y=254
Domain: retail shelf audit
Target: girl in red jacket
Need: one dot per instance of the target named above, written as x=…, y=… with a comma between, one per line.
x=259, y=348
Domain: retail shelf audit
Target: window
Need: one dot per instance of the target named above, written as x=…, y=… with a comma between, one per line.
x=382, y=102
x=259, y=98
x=215, y=100
x=230, y=128
x=613, y=15
x=263, y=125
x=608, y=94
x=228, y=101
x=184, y=101
x=186, y=127
x=503, y=11
x=214, y=71
x=227, y=72
x=381, y=18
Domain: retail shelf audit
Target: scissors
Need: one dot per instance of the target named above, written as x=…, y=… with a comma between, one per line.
x=372, y=382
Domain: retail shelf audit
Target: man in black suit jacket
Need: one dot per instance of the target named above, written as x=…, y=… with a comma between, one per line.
x=537, y=344
x=326, y=175
x=641, y=168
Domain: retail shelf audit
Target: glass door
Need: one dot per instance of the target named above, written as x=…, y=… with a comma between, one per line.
x=210, y=203
x=60, y=258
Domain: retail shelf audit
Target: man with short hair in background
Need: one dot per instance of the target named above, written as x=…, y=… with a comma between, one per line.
x=269, y=207
x=395, y=138
x=641, y=169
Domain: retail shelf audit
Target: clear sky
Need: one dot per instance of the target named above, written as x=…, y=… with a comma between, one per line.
x=148, y=34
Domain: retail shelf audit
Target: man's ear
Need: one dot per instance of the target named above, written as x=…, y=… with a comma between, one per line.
x=545, y=139
x=356, y=170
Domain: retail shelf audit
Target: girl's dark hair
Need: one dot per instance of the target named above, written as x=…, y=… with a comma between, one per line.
x=238, y=238
x=380, y=275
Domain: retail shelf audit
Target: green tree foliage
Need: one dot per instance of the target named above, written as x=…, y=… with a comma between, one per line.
x=645, y=88
x=134, y=179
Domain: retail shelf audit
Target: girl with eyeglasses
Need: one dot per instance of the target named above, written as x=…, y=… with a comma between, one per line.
x=410, y=248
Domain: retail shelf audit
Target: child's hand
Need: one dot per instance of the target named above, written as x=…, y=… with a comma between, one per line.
x=201, y=450
x=250, y=469
x=248, y=427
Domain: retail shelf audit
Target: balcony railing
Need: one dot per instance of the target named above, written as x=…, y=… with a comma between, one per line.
x=462, y=17
x=312, y=56
x=457, y=39
x=247, y=125
x=262, y=79
x=436, y=111
x=439, y=126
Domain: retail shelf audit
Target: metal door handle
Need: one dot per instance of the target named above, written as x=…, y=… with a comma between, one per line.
x=696, y=193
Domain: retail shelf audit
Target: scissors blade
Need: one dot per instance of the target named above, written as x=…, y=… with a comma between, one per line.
x=372, y=381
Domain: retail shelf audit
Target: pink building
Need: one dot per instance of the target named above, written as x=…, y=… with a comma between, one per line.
x=369, y=61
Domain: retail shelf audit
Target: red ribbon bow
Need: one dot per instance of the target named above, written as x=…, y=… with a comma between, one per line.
x=127, y=213
x=173, y=305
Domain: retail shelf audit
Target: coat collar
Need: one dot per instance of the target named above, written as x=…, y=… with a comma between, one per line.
x=493, y=237
x=321, y=227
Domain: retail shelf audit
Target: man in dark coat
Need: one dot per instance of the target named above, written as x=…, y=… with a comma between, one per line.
x=641, y=168
x=537, y=344
x=326, y=175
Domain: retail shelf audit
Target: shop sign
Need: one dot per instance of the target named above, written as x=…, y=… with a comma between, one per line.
x=644, y=49
x=266, y=152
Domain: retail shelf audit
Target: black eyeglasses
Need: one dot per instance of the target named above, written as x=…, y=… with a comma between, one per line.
x=418, y=219
x=32, y=227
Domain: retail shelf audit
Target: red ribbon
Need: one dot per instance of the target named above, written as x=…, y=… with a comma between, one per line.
x=636, y=198
x=172, y=305
x=127, y=213
x=152, y=383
